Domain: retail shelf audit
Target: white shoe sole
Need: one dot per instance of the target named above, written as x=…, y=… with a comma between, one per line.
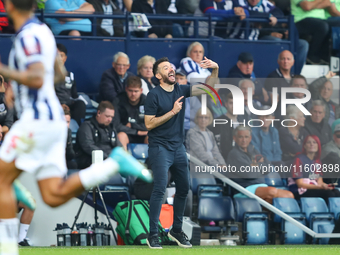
x=147, y=241
x=179, y=244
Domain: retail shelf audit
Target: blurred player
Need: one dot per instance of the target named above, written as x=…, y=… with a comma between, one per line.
x=36, y=142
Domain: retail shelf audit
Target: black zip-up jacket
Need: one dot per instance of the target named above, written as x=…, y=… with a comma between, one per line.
x=6, y=114
x=110, y=85
x=93, y=136
x=133, y=114
x=67, y=89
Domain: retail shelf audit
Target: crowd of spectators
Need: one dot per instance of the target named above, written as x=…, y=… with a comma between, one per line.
x=313, y=21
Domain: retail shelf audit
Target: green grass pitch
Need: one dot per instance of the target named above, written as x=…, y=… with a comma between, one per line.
x=197, y=250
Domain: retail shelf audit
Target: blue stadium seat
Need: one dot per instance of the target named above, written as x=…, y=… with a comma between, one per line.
x=316, y=212
x=274, y=180
x=287, y=205
x=90, y=109
x=334, y=206
x=243, y=205
x=290, y=234
x=139, y=150
x=325, y=228
x=255, y=228
x=205, y=186
x=217, y=209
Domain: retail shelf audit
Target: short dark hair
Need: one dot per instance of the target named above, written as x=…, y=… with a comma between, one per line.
x=62, y=48
x=24, y=5
x=156, y=64
x=298, y=76
x=103, y=105
x=134, y=82
x=66, y=109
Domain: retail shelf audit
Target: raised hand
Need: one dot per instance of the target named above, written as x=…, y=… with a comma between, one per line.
x=178, y=105
x=207, y=63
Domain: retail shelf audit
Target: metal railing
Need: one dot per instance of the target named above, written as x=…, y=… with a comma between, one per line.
x=270, y=207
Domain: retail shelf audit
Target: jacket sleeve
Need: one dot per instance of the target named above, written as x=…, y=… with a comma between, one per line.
x=215, y=151
x=196, y=146
x=120, y=127
x=107, y=88
x=74, y=92
x=9, y=118
x=70, y=154
x=315, y=87
x=85, y=138
x=277, y=147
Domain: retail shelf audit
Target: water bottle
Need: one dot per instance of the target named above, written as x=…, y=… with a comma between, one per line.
x=99, y=235
x=60, y=235
x=75, y=237
x=67, y=234
x=83, y=234
x=90, y=237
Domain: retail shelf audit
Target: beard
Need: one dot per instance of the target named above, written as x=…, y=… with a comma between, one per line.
x=167, y=81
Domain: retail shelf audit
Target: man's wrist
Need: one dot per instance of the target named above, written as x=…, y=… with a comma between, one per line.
x=173, y=112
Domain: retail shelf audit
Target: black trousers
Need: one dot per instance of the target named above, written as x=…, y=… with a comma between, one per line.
x=325, y=194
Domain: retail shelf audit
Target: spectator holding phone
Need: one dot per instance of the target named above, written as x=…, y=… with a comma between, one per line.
x=307, y=178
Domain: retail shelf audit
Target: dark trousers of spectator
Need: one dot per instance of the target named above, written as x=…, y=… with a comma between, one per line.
x=325, y=194
x=161, y=161
x=319, y=31
x=78, y=110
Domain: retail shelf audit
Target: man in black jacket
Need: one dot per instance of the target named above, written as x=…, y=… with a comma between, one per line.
x=280, y=77
x=96, y=133
x=67, y=91
x=316, y=124
x=131, y=111
x=6, y=113
x=113, y=80
x=244, y=69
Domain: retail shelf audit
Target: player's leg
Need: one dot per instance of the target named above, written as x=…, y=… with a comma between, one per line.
x=180, y=174
x=8, y=220
x=160, y=159
x=57, y=191
x=25, y=221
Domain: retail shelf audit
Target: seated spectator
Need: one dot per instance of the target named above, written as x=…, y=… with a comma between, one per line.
x=217, y=8
x=291, y=137
x=130, y=105
x=160, y=28
x=201, y=143
x=3, y=20
x=70, y=154
x=69, y=26
x=299, y=81
x=113, y=80
x=248, y=115
x=307, y=183
x=6, y=112
x=108, y=27
x=144, y=71
x=67, y=91
x=244, y=154
x=96, y=133
x=191, y=64
x=280, y=77
x=192, y=104
x=266, y=138
x=224, y=132
x=309, y=18
x=330, y=153
x=322, y=89
x=316, y=124
x=244, y=70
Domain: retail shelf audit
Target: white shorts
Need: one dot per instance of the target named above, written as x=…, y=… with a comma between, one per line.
x=43, y=151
